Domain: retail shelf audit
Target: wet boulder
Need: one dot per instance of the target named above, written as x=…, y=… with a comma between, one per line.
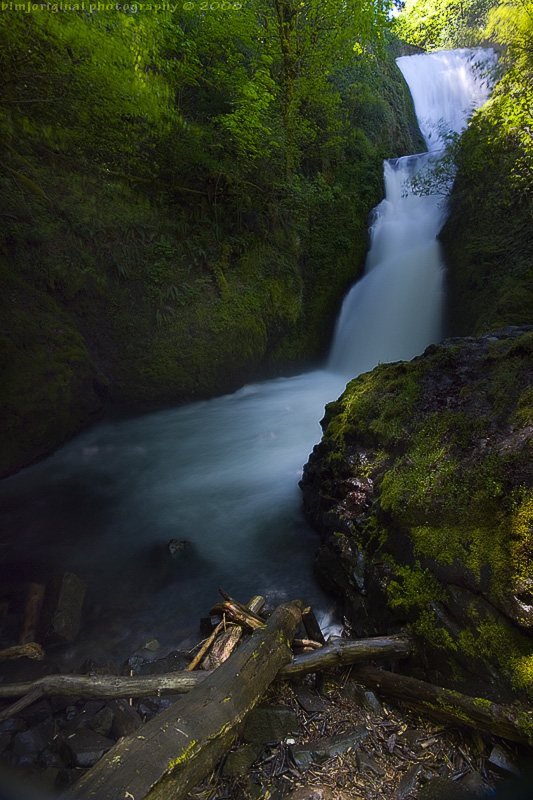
x=422, y=491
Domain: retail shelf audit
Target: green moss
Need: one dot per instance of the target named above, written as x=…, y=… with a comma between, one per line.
x=183, y=756
x=521, y=545
x=452, y=472
x=490, y=271
x=504, y=645
x=377, y=405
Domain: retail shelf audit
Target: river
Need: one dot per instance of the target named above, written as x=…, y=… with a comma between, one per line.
x=223, y=474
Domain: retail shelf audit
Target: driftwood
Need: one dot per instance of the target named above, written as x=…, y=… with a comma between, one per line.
x=176, y=749
x=340, y=652
x=508, y=722
x=239, y=614
x=97, y=686
x=205, y=647
x=29, y=650
x=226, y=642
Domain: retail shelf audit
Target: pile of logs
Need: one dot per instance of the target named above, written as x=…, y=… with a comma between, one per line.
x=175, y=750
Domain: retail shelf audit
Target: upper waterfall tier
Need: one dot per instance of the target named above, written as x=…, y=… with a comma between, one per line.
x=446, y=88
x=395, y=311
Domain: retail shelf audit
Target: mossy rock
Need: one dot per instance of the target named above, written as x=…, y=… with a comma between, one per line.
x=422, y=488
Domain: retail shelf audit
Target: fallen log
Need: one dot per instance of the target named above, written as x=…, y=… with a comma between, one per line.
x=176, y=749
x=97, y=686
x=340, y=652
x=509, y=722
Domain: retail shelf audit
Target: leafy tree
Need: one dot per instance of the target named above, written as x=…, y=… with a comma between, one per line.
x=511, y=109
x=443, y=24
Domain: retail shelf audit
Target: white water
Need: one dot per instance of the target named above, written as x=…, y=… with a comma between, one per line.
x=395, y=311
x=223, y=473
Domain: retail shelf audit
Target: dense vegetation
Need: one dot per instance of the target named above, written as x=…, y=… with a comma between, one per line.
x=184, y=197
x=489, y=236
x=444, y=24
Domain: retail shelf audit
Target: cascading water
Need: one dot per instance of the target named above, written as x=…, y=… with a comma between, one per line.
x=395, y=311
x=223, y=473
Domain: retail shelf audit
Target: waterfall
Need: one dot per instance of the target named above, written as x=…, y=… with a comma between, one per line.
x=223, y=474
x=396, y=310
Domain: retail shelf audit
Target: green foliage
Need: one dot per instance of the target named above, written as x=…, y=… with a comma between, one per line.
x=491, y=271
x=189, y=190
x=443, y=24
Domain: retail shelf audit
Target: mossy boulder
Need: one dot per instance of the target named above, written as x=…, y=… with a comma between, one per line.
x=422, y=490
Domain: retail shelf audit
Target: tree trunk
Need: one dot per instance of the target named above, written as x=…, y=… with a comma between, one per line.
x=509, y=722
x=341, y=652
x=338, y=653
x=178, y=748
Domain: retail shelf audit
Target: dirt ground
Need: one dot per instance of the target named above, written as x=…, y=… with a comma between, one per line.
x=403, y=756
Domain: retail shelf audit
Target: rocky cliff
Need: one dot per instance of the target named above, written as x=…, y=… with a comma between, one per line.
x=422, y=491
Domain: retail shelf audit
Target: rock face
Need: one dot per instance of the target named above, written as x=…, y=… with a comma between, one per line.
x=422, y=490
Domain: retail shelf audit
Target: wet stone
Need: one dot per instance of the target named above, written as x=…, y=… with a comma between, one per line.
x=408, y=782
x=411, y=738
x=475, y=784
x=264, y=725
x=37, y=712
x=148, y=708
x=362, y=698
x=173, y=662
x=317, y=752
x=34, y=740
x=372, y=703
x=502, y=762
x=92, y=707
x=239, y=761
x=444, y=789
x=50, y=759
x=367, y=764
x=13, y=725
x=126, y=720
x=151, y=645
x=310, y=702
x=102, y=721
x=86, y=747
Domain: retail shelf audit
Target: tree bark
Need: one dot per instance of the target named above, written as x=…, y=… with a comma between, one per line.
x=338, y=653
x=509, y=722
x=174, y=751
x=226, y=642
